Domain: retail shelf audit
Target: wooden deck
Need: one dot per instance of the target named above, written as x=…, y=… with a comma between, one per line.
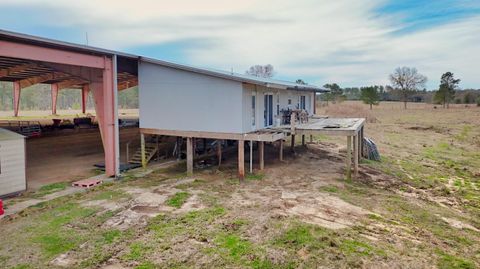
x=352, y=128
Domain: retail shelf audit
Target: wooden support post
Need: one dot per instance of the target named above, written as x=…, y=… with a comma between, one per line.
x=127, y=152
x=85, y=89
x=261, y=153
x=16, y=98
x=241, y=160
x=194, y=149
x=142, y=149
x=311, y=138
x=189, y=156
x=251, y=157
x=281, y=149
x=219, y=152
x=355, y=155
x=158, y=148
x=303, y=140
x=204, y=146
x=361, y=142
x=292, y=144
x=349, y=157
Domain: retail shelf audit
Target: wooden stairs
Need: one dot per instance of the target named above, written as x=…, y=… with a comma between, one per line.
x=150, y=151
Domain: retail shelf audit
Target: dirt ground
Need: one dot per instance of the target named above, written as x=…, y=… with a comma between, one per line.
x=70, y=155
x=67, y=155
x=417, y=208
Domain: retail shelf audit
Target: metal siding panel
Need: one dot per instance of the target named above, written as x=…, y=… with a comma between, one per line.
x=12, y=158
x=171, y=99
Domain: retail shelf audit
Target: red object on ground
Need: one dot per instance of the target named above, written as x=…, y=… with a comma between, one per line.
x=1, y=208
x=87, y=183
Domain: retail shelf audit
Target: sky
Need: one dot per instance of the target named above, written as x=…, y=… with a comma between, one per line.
x=349, y=42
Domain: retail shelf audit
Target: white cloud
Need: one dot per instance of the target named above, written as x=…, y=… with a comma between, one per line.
x=341, y=41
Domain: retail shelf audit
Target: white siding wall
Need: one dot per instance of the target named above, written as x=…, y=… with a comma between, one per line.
x=12, y=162
x=172, y=99
x=282, y=95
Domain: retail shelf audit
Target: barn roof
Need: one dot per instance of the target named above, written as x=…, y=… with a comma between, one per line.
x=268, y=82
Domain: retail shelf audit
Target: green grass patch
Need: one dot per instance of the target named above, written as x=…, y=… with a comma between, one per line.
x=178, y=199
x=51, y=188
x=354, y=247
x=447, y=261
x=254, y=176
x=329, y=188
x=51, y=232
x=166, y=226
x=301, y=235
x=138, y=252
x=234, y=246
x=236, y=250
x=110, y=236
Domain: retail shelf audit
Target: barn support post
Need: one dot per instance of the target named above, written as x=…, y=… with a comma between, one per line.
x=189, y=156
x=311, y=138
x=261, y=154
x=303, y=140
x=349, y=157
x=16, y=98
x=54, y=90
x=241, y=160
x=106, y=111
x=85, y=91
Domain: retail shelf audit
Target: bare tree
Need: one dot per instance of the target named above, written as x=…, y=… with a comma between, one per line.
x=407, y=80
x=264, y=71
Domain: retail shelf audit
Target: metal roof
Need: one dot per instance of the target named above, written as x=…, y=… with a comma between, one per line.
x=268, y=82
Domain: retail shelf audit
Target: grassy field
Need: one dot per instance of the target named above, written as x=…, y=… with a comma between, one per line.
x=417, y=208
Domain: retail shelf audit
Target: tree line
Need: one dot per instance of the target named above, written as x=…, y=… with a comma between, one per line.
x=38, y=97
x=407, y=84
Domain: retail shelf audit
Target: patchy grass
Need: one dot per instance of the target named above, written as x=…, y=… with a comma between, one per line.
x=178, y=199
x=50, y=233
x=111, y=235
x=447, y=261
x=138, y=252
x=254, y=176
x=109, y=195
x=329, y=188
x=195, y=183
x=50, y=188
x=424, y=163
